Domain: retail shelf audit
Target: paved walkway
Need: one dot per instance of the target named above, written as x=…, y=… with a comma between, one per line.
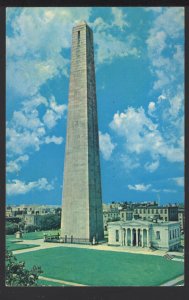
x=100, y=247
x=173, y=281
x=60, y=281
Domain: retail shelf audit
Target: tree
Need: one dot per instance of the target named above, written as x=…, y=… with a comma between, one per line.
x=17, y=275
x=31, y=228
x=48, y=222
x=11, y=228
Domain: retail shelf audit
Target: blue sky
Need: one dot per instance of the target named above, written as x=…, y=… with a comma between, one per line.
x=139, y=76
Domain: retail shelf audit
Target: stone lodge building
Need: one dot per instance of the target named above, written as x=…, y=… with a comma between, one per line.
x=137, y=233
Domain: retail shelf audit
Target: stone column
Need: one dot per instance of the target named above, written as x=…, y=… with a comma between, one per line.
x=137, y=237
x=125, y=236
x=122, y=237
x=142, y=237
x=147, y=235
x=131, y=236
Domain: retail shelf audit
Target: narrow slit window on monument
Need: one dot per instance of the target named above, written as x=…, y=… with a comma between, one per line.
x=78, y=36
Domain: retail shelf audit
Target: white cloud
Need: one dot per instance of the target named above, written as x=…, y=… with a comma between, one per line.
x=31, y=58
x=54, y=114
x=109, y=45
x=142, y=135
x=179, y=181
x=154, y=9
x=163, y=190
x=53, y=139
x=106, y=145
x=129, y=162
x=34, y=102
x=119, y=18
x=151, y=108
x=139, y=187
x=166, y=28
x=26, y=132
x=17, y=187
x=15, y=165
x=161, y=98
x=169, y=191
x=151, y=167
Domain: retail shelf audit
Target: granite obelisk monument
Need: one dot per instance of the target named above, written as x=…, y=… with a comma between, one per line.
x=82, y=219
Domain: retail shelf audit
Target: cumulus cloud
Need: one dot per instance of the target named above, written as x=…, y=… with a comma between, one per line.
x=139, y=187
x=163, y=190
x=119, y=18
x=141, y=135
x=18, y=187
x=151, y=167
x=178, y=180
x=166, y=54
x=106, y=145
x=27, y=131
x=109, y=45
x=31, y=58
x=15, y=165
x=53, y=139
x=129, y=162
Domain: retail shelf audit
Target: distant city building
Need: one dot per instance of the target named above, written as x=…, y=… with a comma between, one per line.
x=33, y=220
x=181, y=218
x=126, y=214
x=165, y=213
x=137, y=233
x=110, y=215
x=30, y=214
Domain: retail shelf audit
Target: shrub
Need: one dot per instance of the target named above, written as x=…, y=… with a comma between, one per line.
x=11, y=228
x=17, y=275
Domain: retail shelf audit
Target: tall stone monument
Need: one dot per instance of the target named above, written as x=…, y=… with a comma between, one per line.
x=82, y=219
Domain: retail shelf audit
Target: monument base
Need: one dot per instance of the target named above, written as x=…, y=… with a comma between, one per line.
x=72, y=240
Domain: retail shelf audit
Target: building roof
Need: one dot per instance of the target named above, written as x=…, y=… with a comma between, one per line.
x=142, y=223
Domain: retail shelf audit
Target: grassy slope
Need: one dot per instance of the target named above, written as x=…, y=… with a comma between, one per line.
x=98, y=268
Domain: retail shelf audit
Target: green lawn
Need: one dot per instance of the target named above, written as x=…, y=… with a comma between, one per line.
x=103, y=268
x=13, y=246
x=33, y=235
x=11, y=240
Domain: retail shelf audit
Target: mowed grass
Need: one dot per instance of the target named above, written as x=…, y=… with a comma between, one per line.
x=32, y=235
x=103, y=268
x=11, y=240
x=13, y=246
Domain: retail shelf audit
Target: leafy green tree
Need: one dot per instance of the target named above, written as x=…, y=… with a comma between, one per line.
x=50, y=221
x=11, y=228
x=17, y=275
x=31, y=228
